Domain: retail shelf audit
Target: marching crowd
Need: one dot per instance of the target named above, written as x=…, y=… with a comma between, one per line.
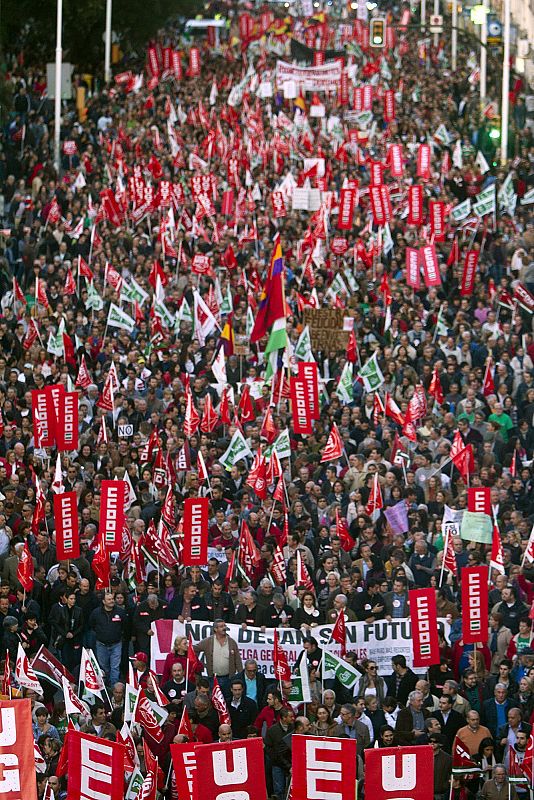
x=99, y=235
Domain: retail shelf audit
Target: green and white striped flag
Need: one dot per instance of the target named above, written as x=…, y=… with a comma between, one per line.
x=300, y=683
x=277, y=337
x=236, y=450
x=93, y=298
x=227, y=305
x=165, y=315
x=344, y=388
x=461, y=211
x=117, y=318
x=184, y=313
x=134, y=785
x=281, y=444
x=132, y=292
x=303, y=350
x=335, y=667
x=249, y=326
x=371, y=374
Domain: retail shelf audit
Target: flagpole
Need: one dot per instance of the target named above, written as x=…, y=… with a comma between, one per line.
x=444, y=556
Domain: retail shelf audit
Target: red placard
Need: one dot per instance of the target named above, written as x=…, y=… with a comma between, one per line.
x=424, y=616
x=96, y=768
x=423, y=162
x=184, y=761
x=232, y=770
x=308, y=372
x=195, y=522
x=479, y=499
x=300, y=406
x=17, y=754
x=67, y=421
x=44, y=417
x=66, y=521
x=112, y=500
x=346, y=209
x=468, y=273
x=437, y=220
x=413, y=271
x=415, y=205
x=429, y=261
x=396, y=773
x=395, y=160
x=323, y=767
x=474, y=605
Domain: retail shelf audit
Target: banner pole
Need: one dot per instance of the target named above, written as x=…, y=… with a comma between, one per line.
x=444, y=554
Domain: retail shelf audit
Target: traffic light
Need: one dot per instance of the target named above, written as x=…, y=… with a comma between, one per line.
x=377, y=33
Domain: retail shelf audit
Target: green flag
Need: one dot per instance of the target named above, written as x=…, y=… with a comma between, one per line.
x=132, y=292
x=134, y=786
x=236, y=450
x=277, y=337
x=342, y=670
x=461, y=211
x=93, y=298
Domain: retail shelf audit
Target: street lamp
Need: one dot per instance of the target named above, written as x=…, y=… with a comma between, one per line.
x=505, y=108
x=57, y=98
x=107, y=45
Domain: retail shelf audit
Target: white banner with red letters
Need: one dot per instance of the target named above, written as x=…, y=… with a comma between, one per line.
x=378, y=640
x=324, y=78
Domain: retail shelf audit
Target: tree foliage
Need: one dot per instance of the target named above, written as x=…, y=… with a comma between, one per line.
x=30, y=26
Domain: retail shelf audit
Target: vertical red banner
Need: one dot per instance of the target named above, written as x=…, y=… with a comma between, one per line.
x=413, y=271
x=66, y=521
x=437, y=220
x=300, y=406
x=429, y=261
x=308, y=372
x=346, y=209
x=415, y=205
x=44, y=418
x=112, y=500
x=184, y=761
x=323, y=767
x=474, y=605
x=424, y=616
x=195, y=522
x=468, y=273
x=232, y=770
x=67, y=422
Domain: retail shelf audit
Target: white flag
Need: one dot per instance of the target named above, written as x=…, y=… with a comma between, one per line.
x=236, y=450
x=205, y=322
x=481, y=162
x=457, y=159
x=57, y=484
x=24, y=673
x=219, y=367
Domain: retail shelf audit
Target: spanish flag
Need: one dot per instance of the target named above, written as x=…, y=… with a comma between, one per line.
x=227, y=337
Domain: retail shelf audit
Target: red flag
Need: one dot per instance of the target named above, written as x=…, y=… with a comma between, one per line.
x=248, y=552
x=144, y=715
x=342, y=530
x=100, y=564
x=84, y=379
x=192, y=420
x=334, y=445
x=25, y=569
x=257, y=477
x=488, y=386
x=184, y=728
x=435, y=388
x=375, y=501
x=339, y=633
x=282, y=672
x=210, y=418
x=462, y=763
x=84, y=271
x=219, y=703
x=449, y=558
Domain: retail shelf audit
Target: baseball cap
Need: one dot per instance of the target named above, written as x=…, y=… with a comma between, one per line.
x=140, y=657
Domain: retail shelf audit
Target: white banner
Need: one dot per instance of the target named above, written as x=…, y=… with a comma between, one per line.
x=378, y=640
x=325, y=78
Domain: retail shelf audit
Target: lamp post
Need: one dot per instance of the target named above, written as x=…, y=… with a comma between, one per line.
x=107, y=45
x=505, y=100
x=483, y=52
x=454, y=35
x=57, y=97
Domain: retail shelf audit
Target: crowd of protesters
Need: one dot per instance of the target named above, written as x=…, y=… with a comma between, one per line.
x=483, y=694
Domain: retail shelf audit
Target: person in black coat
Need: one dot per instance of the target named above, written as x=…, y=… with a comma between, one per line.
x=254, y=682
x=242, y=710
x=516, y=724
x=450, y=720
x=186, y=606
x=402, y=681
x=144, y=615
x=249, y=612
